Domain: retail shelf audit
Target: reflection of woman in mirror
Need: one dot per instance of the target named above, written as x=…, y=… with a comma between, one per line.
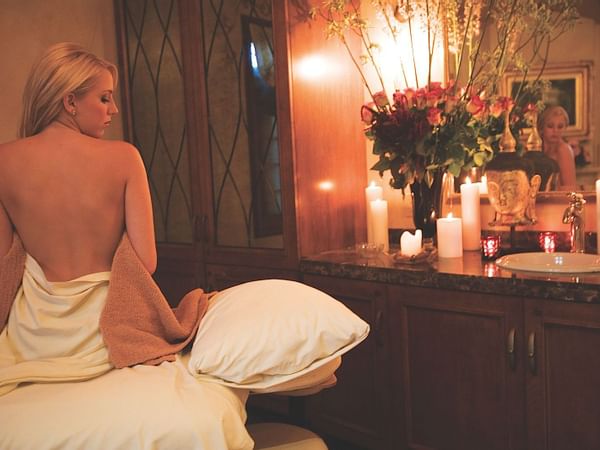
x=551, y=125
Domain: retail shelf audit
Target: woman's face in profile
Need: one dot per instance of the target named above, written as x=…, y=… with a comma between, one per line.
x=553, y=128
x=96, y=107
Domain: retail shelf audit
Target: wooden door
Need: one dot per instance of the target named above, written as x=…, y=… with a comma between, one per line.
x=563, y=387
x=357, y=410
x=458, y=369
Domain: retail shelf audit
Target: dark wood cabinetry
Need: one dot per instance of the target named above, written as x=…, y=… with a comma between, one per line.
x=563, y=375
x=358, y=408
x=448, y=369
x=190, y=109
x=458, y=364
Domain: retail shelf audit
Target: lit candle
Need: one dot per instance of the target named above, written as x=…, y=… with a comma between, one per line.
x=410, y=244
x=598, y=214
x=483, y=185
x=372, y=192
x=379, y=211
x=449, y=237
x=471, y=221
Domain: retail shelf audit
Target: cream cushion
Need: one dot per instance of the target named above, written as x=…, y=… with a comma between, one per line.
x=265, y=333
x=282, y=436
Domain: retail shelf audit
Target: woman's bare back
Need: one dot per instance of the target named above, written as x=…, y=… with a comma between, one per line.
x=66, y=195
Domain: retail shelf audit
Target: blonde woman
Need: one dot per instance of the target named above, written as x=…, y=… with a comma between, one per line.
x=68, y=196
x=551, y=125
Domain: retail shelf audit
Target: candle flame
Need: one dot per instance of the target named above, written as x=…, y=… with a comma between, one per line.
x=449, y=216
x=468, y=180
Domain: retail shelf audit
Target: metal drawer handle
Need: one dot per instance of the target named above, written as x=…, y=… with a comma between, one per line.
x=510, y=349
x=531, y=353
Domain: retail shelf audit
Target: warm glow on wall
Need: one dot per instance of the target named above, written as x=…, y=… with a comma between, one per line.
x=315, y=67
x=326, y=185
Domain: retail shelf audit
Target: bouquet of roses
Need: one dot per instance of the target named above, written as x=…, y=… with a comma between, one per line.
x=433, y=128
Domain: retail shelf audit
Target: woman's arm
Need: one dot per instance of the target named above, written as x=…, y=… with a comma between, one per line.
x=139, y=222
x=566, y=162
x=6, y=231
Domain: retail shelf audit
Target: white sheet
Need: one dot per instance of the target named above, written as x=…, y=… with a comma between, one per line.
x=143, y=407
x=52, y=331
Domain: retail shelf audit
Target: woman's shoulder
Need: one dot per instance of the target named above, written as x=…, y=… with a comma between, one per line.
x=12, y=149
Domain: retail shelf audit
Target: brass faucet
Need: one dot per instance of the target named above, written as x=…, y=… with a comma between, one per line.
x=575, y=216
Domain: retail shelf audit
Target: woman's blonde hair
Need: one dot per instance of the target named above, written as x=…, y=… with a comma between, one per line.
x=63, y=68
x=550, y=111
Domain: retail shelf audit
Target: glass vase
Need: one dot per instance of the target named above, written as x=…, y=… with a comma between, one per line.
x=427, y=204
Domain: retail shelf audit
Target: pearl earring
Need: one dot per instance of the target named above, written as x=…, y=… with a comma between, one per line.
x=73, y=113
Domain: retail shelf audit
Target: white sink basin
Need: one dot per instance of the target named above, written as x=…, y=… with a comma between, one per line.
x=560, y=262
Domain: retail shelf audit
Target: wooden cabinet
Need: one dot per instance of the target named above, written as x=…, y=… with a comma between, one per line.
x=245, y=167
x=458, y=369
x=357, y=410
x=563, y=375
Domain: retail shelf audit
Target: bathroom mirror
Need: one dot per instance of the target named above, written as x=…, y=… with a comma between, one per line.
x=572, y=69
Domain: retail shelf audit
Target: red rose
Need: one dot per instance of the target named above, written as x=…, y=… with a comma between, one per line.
x=434, y=116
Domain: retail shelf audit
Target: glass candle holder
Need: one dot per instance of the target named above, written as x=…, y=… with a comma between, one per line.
x=547, y=241
x=490, y=247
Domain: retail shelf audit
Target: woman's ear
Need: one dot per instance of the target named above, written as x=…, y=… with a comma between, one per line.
x=69, y=103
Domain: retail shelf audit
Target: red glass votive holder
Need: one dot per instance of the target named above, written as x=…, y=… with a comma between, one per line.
x=547, y=241
x=490, y=247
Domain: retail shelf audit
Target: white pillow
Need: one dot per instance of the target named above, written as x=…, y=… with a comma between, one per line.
x=264, y=333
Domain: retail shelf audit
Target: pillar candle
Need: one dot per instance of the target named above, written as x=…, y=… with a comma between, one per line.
x=471, y=219
x=379, y=212
x=483, y=185
x=372, y=192
x=411, y=244
x=598, y=214
x=449, y=237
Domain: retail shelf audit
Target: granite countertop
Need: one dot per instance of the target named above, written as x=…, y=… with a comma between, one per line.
x=469, y=273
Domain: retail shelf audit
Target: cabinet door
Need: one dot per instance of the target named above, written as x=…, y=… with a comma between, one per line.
x=244, y=119
x=357, y=410
x=563, y=387
x=458, y=367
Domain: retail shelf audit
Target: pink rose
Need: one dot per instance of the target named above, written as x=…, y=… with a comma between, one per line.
x=380, y=99
x=367, y=112
x=421, y=99
x=451, y=102
x=399, y=99
x=435, y=93
x=410, y=95
x=496, y=109
x=434, y=116
x=500, y=105
x=432, y=98
x=476, y=106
